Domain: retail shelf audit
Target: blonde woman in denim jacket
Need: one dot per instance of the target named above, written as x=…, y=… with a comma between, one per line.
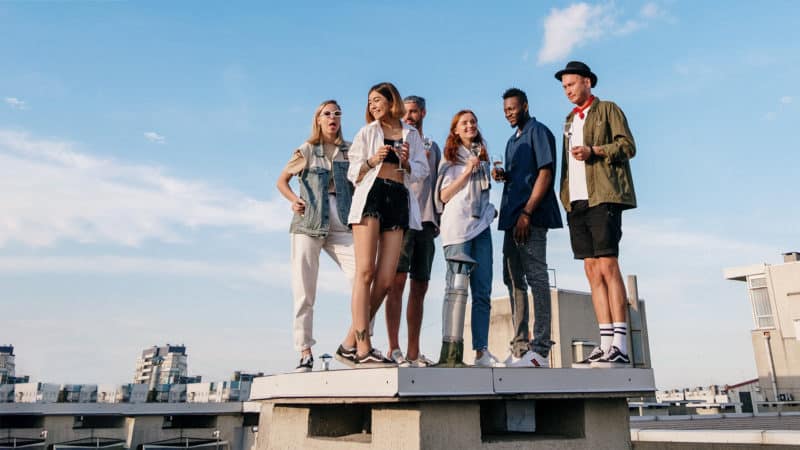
x=320, y=217
x=380, y=212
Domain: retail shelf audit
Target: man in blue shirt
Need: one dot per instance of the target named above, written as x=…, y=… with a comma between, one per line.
x=527, y=210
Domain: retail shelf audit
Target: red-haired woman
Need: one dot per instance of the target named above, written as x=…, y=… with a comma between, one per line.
x=462, y=195
x=385, y=157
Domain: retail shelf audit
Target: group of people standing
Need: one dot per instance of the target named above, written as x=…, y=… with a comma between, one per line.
x=376, y=204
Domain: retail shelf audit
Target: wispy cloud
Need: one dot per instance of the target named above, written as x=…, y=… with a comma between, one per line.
x=574, y=26
x=16, y=103
x=783, y=103
x=53, y=192
x=152, y=136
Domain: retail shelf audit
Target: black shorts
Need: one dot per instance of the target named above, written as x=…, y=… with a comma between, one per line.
x=418, y=250
x=388, y=201
x=594, y=231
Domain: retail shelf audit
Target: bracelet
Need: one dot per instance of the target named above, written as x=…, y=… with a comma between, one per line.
x=368, y=164
x=526, y=213
x=591, y=151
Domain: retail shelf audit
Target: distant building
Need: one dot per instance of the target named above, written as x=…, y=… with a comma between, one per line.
x=573, y=328
x=774, y=295
x=161, y=365
x=7, y=365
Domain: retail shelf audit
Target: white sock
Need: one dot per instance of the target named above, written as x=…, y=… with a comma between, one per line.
x=621, y=336
x=606, y=336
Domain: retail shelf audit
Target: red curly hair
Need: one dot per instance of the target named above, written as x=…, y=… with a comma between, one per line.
x=453, y=141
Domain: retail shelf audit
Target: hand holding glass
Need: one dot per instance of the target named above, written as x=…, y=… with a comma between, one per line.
x=398, y=149
x=497, y=166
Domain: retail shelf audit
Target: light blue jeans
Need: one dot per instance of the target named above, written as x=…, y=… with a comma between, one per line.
x=478, y=248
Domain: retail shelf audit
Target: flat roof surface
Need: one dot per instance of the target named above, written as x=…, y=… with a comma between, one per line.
x=401, y=383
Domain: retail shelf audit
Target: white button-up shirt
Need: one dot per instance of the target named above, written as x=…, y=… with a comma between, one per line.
x=365, y=144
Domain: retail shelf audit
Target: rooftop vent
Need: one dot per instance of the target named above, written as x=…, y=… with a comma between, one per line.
x=791, y=257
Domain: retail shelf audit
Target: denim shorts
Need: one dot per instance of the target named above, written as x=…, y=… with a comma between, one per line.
x=388, y=202
x=418, y=249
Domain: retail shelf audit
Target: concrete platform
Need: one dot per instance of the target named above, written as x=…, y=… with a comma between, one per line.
x=471, y=408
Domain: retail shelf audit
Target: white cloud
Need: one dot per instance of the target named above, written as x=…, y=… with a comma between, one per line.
x=152, y=136
x=52, y=192
x=580, y=23
x=786, y=99
x=16, y=103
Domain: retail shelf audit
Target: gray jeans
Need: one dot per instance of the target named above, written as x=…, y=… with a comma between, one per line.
x=526, y=265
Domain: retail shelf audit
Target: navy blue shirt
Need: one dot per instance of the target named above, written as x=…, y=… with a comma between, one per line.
x=534, y=149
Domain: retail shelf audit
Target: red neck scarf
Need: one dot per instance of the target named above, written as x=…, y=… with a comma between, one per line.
x=580, y=109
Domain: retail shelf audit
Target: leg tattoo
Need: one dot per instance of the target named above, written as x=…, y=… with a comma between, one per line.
x=361, y=335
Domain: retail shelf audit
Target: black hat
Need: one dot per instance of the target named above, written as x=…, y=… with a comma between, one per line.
x=578, y=68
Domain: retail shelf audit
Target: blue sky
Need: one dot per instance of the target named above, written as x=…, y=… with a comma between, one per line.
x=140, y=144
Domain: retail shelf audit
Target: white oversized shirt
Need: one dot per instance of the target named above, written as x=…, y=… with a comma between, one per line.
x=457, y=223
x=365, y=144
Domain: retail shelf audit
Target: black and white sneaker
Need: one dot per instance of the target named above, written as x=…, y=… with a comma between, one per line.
x=614, y=359
x=373, y=359
x=306, y=364
x=595, y=356
x=346, y=356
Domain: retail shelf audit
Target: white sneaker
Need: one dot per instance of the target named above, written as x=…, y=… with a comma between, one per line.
x=421, y=361
x=488, y=360
x=397, y=356
x=532, y=359
x=510, y=359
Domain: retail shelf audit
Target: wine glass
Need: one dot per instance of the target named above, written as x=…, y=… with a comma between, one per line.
x=398, y=147
x=428, y=144
x=475, y=148
x=568, y=135
x=497, y=163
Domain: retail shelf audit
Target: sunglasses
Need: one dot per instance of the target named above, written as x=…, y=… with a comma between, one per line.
x=331, y=113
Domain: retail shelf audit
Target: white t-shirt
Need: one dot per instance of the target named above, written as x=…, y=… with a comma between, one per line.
x=457, y=224
x=577, y=169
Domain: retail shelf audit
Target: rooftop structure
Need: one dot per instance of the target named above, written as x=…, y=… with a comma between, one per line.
x=774, y=295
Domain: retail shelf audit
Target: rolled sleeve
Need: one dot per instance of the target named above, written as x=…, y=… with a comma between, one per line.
x=417, y=158
x=622, y=146
x=358, y=154
x=544, y=145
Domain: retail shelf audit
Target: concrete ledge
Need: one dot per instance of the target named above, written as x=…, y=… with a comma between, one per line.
x=765, y=437
x=125, y=409
x=391, y=384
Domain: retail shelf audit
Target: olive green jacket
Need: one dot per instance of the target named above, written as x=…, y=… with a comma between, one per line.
x=608, y=178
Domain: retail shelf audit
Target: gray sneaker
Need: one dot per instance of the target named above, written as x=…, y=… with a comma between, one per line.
x=346, y=356
x=595, y=356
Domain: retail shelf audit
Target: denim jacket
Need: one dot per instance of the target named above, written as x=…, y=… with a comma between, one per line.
x=314, y=181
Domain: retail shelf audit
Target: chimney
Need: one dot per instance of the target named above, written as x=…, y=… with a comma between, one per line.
x=791, y=257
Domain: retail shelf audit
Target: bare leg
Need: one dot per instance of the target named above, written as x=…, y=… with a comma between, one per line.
x=599, y=290
x=389, y=249
x=416, y=298
x=609, y=269
x=365, y=243
x=394, y=309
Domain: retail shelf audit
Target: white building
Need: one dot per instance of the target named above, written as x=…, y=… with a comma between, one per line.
x=161, y=365
x=774, y=296
x=36, y=392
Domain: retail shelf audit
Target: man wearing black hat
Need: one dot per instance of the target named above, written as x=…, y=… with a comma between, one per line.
x=596, y=186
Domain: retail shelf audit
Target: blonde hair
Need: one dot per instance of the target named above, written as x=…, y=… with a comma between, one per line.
x=386, y=89
x=316, y=130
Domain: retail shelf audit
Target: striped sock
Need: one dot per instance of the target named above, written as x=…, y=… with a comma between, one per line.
x=606, y=337
x=621, y=336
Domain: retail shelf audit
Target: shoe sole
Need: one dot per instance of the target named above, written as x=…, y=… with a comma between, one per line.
x=344, y=360
x=582, y=365
x=610, y=365
x=302, y=370
x=373, y=365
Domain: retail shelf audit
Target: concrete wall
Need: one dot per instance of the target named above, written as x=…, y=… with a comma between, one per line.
x=572, y=319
